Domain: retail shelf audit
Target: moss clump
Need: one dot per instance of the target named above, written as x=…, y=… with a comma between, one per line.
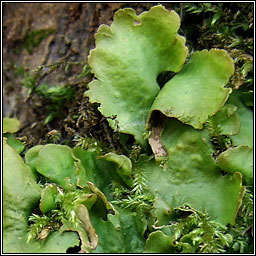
x=33, y=39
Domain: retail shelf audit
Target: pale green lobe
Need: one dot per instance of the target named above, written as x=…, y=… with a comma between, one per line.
x=158, y=242
x=239, y=159
x=191, y=176
x=248, y=98
x=124, y=166
x=120, y=233
x=87, y=199
x=14, y=143
x=245, y=135
x=56, y=163
x=128, y=57
x=55, y=243
x=20, y=195
x=31, y=157
x=197, y=92
x=227, y=119
x=11, y=125
x=90, y=168
x=47, y=202
x=81, y=171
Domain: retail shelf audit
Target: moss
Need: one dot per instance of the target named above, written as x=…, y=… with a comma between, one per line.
x=33, y=39
x=223, y=25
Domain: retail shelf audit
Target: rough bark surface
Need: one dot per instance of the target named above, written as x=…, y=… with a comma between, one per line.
x=73, y=26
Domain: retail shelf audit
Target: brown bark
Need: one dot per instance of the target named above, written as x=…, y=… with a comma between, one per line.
x=74, y=25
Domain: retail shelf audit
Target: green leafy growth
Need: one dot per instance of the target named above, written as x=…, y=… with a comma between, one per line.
x=120, y=233
x=90, y=168
x=247, y=98
x=29, y=82
x=124, y=166
x=239, y=159
x=31, y=157
x=54, y=96
x=129, y=56
x=136, y=203
x=79, y=221
x=71, y=215
x=242, y=231
x=53, y=162
x=197, y=91
x=219, y=24
x=202, y=8
x=137, y=198
x=192, y=232
x=33, y=38
x=227, y=120
x=14, y=143
x=221, y=126
x=41, y=227
x=47, y=202
x=85, y=72
x=55, y=243
x=90, y=144
x=70, y=212
x=57, y=95
x=11, y=125
x=20, y=196
x=190, y=175
x=220, y=141
x=104, y=200
x=245, y=135
x=158, y=242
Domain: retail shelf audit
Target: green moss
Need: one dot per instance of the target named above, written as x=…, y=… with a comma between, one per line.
x=33, y=39
x=228, y=25
x=242, y=231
